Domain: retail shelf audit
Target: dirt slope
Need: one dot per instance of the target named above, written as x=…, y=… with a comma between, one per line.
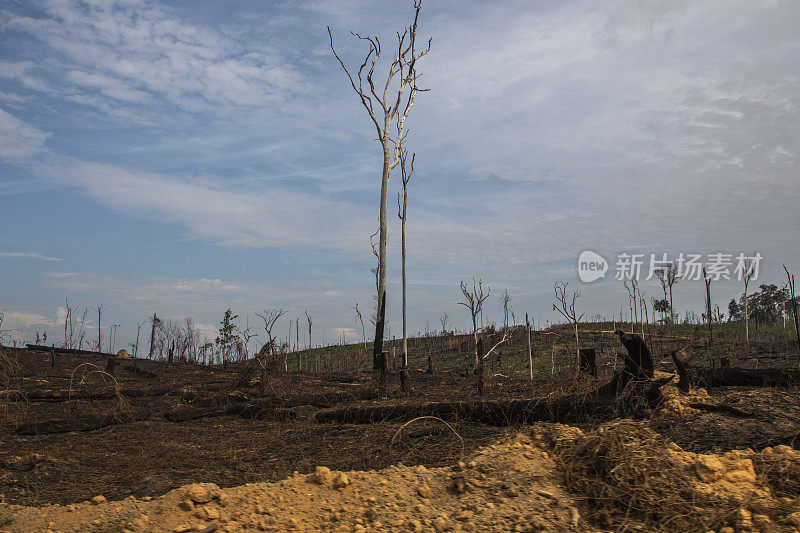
x=512, y=486
x=550, y=478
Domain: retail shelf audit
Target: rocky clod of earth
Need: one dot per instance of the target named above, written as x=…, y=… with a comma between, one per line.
x=550, y=478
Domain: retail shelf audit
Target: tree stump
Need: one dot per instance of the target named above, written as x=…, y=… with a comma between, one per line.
x=405, y=384
x=383, y=363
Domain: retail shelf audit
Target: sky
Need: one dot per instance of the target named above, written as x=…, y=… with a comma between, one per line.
x=186, y=157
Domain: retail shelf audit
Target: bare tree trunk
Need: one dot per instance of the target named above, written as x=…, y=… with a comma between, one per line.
x=671, y=308
x=377, y=346
x=152, y=336
x=403, y=262
x=66, y=323
x=309, y=338
x=577, y=351
x=401, y=213
x=708, y=306
x=479, y=370
x=99, y=331
x=746, y=313
x=530, y=355
x=475, y=338
x=136, y=346
x=790, y=278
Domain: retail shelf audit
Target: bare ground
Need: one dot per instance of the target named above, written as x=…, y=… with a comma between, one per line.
x=133, y=461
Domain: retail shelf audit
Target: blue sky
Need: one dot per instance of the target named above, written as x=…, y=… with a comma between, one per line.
x=187, y=157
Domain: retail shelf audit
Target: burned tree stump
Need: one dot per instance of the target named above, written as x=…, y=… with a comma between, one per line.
x=383, y=363
x=405, y=385
x=637, y=351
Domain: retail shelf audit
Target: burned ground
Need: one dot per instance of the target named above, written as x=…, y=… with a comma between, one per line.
x=142, y=453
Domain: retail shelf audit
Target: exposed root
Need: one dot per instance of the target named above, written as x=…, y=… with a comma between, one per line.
x=401, y=428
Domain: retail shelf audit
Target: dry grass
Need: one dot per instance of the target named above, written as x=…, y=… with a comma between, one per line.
x=9, y=367
x=85, y=372
x=12, y=401
x=623, y=473
x=780, y=469
x=430, y=418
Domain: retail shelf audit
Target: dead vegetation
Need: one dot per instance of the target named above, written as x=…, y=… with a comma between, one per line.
x=622, y=471
x=630, y=477
x=186, y=425
x=11, y=399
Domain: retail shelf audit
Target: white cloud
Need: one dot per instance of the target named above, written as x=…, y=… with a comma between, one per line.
x=18, y=139
x=166, y=290
x=141, y=52
x=349, y=334
x=590, y=126
x=207, y=332
x=232, y=217
x=29, y=255
x=271, y=217
x=22, y=320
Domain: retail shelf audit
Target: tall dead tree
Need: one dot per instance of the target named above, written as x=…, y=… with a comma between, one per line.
x=672, y=276
x=360, y=319
x=473, y=300
x=530, y=355
x=136, y=345
x=270, y=317
x=633, y=301
x=505, y=299
x=790, y=278
x=661, y=274
x=566, y=307
x=245, y=335
x=99, y=310
x=707, y=281
x=402, y=215
x=388, y=113
x=67, y=324
x=308, y=318
x=747, y=275
x=155, y=322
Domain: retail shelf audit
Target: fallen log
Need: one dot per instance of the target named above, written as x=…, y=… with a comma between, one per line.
x=141, y=372
x=86, y=423
x=571, y=408
x=324, y=400
x=68, y=351
x=63, y=396
x=693, y=376
x=234, y=404
x=254, y=409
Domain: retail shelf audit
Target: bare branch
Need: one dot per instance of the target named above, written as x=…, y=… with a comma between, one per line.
x=506, y=335
x=365, y=100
